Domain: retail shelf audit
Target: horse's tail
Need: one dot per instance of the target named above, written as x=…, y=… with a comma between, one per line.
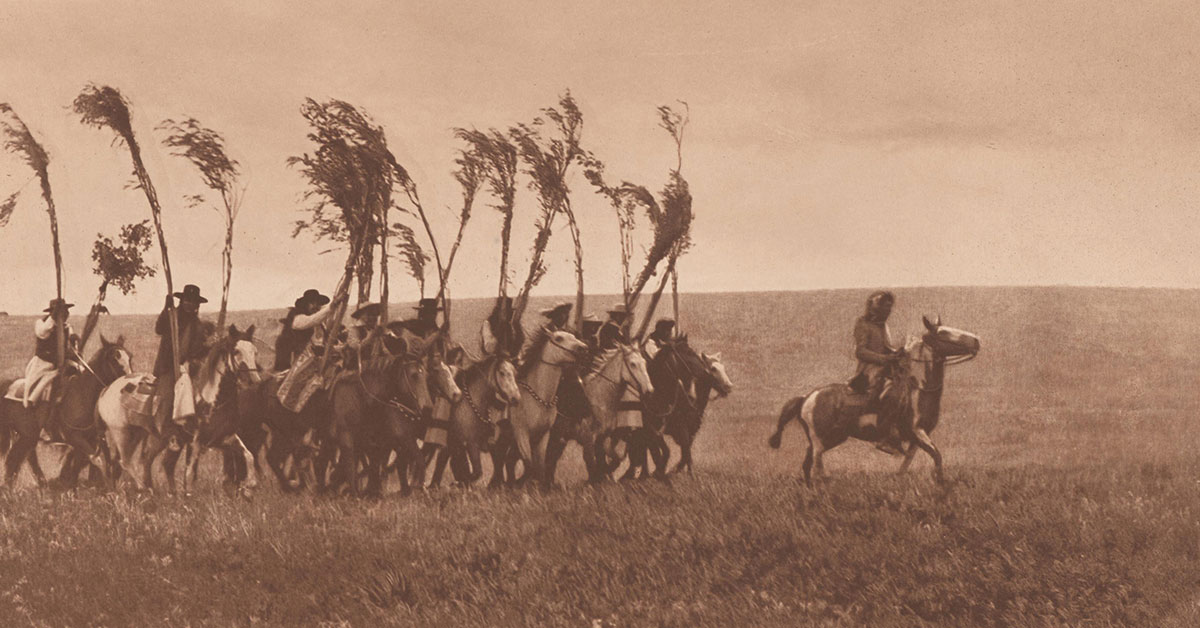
x=791, y=410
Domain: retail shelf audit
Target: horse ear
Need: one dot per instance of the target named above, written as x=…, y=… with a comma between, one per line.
x=233, y=331
x=938, y=321
x=120, y=340
x=249, y=333
x=928, y=325
x=716, y=356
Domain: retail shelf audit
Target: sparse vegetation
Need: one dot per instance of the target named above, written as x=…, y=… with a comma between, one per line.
x=1072, y=500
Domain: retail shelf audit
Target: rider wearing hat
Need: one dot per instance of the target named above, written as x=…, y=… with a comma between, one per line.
x=426, y=321
x=298, y=326
x=191, y=345
x=499, y=333
x=44, y=365
x=557, y=315
x=366, y=321
x=616, y=328
x=664, y=333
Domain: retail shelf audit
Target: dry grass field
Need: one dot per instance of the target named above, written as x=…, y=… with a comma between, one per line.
x=1073, y=499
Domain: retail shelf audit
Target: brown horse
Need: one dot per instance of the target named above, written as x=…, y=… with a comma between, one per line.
x=912, y=402
x=74, y=414
x=487, y=384
x=360, y=403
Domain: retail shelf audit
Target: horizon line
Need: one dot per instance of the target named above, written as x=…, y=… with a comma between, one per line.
x=571, y=296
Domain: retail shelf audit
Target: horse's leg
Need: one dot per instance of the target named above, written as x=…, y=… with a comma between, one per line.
x=123, y=440
x=20, y=451
x=170, y=460
x=909, y=454
x=539, y=460
x=410, y=452
x=475, y=461
x=248, y=458
x=925, y=443
x=661, y=455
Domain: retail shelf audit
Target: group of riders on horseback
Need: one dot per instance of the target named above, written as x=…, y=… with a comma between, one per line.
x=892, y=400
x=308, y=365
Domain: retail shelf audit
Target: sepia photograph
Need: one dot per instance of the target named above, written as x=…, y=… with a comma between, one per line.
x=619, y=314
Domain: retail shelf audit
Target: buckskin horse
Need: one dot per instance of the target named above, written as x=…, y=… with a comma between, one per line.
x=486, y=384
x=359, y=401
x=832, y=414
x=75, y=413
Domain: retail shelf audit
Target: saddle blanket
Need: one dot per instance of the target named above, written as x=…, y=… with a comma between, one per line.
x=16, y=392
x=139, y=398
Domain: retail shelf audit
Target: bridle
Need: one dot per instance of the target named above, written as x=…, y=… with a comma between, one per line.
x=408, y=412
x=625, y=368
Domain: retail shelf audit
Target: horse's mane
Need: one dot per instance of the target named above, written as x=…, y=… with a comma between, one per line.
x=530, y=355
x=474, y=369
x=212, y=359
x=602, y=358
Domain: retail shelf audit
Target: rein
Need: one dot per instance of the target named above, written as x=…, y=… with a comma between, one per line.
x=405, y=410
x=533, y=393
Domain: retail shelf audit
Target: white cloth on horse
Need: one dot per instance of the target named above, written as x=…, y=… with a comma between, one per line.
x=185, y=400
x=629, y=408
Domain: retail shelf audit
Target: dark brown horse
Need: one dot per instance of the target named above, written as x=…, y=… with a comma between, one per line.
x=73, y=414
x=683, y=383
x=832, y=414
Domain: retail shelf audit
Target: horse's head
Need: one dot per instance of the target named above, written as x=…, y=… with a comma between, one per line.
x=716, y=372
x=562, y=348
x=113, y=360
x=502, y=377
x=947, y=342
x=410, y=377
x=243, y=355
x=443, y=378
x=634, y=373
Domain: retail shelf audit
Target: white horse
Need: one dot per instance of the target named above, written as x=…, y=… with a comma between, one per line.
x=132, y=434
x=534, y=413
x=614, y=374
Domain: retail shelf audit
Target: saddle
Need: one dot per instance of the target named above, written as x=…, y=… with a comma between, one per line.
x=139, y=397
x=16, y=392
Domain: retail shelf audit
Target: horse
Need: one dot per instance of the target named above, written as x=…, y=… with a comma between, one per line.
x=75, y=415
x=829, y=416
x=131, y=433
x=486, y=384
x=533, y=414
x=611, y=372
x=683, y=383
x=401, y=427
x=360, y=401
x=219, y=395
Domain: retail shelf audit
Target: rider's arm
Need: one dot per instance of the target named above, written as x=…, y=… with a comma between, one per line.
x=862, y=338
x=42, y=328
x=308, y=321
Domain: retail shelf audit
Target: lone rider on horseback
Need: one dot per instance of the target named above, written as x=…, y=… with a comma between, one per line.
x=876, y=357
x=44, y=366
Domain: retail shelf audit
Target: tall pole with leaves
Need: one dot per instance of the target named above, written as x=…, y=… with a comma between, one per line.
x=495, y=159
x=119, y=264
x=350, y=182
x=205, y=148
x=674, y=123
x=470, y=175
x=18, y=139
x=548, y=162
x=105, y=107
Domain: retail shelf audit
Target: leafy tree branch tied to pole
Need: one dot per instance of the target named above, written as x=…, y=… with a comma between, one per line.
x=105, y=107
x=119, y=264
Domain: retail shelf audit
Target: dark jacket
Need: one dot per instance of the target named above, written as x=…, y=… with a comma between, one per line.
x=191, y=341
x=290, y=342
x=871, y=345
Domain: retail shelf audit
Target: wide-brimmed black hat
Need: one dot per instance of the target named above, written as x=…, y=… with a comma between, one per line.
x=560, y=309
x=191, y=293
x=312, y=295
x=619, y=308
x=591, y=324
x=370, y=309
x=664, y=325
x=58, y=304
x=428, y=304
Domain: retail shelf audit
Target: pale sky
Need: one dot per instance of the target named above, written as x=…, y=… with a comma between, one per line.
x=860, y=144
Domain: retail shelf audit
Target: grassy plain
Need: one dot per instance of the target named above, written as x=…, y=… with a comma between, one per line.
x=1073, y=499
